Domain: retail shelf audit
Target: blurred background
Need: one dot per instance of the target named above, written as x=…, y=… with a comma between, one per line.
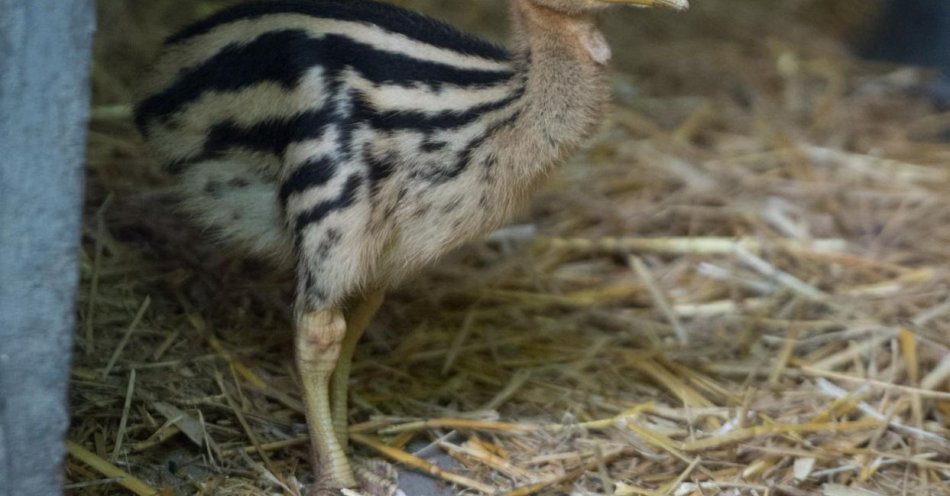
x=913, y=32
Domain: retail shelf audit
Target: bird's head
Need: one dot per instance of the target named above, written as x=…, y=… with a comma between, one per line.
x=574, y=20
x=575, y=7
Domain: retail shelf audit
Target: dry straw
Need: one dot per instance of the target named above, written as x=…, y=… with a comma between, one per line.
x=741, y=287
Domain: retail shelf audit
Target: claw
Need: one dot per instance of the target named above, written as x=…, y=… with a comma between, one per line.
x=669, y=4
x=376, y=477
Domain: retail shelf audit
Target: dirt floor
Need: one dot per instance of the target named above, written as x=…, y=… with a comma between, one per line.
x=741, y=286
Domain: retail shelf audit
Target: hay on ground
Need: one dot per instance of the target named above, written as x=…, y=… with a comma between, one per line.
x=741, y=287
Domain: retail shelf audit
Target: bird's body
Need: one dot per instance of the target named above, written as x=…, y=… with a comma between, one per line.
x=374, y=147
x=360, y=141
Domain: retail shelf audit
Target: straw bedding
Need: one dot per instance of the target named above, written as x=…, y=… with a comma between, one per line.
x=740, y=287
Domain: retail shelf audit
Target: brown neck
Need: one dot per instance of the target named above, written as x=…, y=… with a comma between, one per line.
x=567, y=86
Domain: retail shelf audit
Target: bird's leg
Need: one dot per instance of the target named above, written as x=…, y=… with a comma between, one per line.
x=319, y=338
x=356, y=323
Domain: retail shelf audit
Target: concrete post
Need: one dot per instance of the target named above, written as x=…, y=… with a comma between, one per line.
x=45, y=51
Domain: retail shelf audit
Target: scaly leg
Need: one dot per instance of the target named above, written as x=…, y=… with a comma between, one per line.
x=357, y=321
x=319, y=338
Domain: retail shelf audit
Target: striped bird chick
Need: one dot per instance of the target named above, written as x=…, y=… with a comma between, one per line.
x=357, y=141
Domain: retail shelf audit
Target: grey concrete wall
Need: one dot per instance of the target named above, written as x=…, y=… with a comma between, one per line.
x=45, y=48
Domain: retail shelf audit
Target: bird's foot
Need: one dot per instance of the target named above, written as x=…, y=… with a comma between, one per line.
x=375, y=477
x=321, y=490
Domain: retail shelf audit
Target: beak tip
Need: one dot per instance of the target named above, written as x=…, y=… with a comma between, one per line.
x=669, y=4
x=679, y=4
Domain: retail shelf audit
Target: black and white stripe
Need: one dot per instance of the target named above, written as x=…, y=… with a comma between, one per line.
x=274, y=51
x=283, y=57
x=340, y=103
x=388, y=17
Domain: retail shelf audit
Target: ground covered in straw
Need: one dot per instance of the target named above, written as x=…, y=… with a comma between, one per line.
x=740, y=287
